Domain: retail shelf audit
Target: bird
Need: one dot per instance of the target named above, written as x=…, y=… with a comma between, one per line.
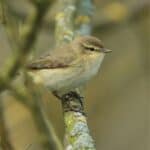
x=69, y=66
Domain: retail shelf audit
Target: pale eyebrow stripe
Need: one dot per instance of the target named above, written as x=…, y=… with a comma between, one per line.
x=90, y=46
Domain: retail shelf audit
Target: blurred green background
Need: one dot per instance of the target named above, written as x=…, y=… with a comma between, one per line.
x=117, y=99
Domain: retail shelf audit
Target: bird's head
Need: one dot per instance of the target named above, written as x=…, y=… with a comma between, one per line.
x=89, y=44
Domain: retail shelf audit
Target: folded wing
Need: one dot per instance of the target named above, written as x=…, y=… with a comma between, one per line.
x=57, y=59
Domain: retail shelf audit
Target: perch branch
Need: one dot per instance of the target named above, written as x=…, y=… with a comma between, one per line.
x=77, y=134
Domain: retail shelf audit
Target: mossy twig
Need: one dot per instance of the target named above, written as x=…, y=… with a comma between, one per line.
x=77, y=134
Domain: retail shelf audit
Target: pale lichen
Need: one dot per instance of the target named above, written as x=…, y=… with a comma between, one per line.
x=73, y=20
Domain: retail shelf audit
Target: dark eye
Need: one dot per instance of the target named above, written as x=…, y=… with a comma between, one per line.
x=90, y=48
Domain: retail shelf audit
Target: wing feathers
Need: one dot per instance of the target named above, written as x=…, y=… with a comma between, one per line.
x=47, y=64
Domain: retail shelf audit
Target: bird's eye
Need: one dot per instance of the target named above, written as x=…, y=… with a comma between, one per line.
x=91, y=48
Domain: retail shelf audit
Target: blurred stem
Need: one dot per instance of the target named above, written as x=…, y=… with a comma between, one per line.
x=5, y=142
x=45, y=127
x=10, y=23
x=21, y=95
x=25, y=45
x=28, y=38
x=76, y=129
x=31, y=98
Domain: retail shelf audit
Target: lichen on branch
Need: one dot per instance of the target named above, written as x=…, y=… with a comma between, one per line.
x=73, y=20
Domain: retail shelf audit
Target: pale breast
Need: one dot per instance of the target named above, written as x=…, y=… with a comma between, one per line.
x=92, y=66
x=68, y=78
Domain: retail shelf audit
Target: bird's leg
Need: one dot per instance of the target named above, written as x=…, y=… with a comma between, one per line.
x=55, y=93
x=76, y=95
x=69, y=100
x=72, y=101
x=72, y=94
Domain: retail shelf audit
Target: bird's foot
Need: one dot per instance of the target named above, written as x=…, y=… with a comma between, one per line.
x=69, y=101
x=73, y=94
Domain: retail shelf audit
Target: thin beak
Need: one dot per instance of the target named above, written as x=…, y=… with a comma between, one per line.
x=105, y=50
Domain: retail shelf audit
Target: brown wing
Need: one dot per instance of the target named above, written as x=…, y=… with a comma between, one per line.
x=47, y=63
x=52, y=61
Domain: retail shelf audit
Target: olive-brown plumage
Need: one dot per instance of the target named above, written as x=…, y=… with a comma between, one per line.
x=69, y=66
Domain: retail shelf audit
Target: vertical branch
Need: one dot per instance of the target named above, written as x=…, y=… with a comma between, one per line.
x=77, y=134
x=64, y=22
x=10, y=24
x=83, y=17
